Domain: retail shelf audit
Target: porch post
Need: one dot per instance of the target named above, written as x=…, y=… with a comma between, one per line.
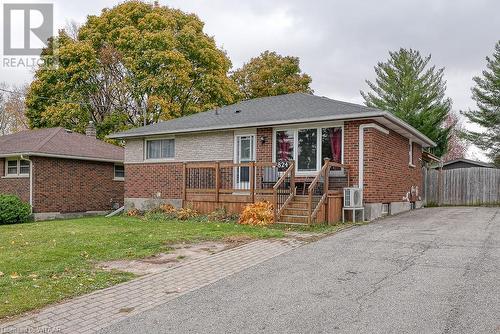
x=217, y=180
x=326, y=187
x=184, y=177
x=275, y=204
x=252, y=181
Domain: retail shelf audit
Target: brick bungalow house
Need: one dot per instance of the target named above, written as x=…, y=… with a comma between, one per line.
x=61, y=173
x=274, y=148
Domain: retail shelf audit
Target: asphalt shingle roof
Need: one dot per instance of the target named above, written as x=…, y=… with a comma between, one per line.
x=59, y=142
x=255, y=112
x=269, y=111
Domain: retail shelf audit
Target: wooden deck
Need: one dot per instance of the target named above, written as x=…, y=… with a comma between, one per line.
x=210, y=186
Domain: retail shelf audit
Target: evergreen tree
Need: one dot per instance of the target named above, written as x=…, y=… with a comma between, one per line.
x=486, y=93
x=415, y=92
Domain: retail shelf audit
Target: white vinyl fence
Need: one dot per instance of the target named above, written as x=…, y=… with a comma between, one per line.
x=462, y=186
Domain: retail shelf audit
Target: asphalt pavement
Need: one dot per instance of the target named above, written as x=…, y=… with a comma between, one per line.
x=431, y=270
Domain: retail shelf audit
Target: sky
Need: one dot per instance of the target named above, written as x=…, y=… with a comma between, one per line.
x=338, y=42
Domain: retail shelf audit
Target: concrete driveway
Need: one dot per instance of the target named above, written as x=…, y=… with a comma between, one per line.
x=428, y=271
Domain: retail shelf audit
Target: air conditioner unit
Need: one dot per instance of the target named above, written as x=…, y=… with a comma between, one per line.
x=353, y=198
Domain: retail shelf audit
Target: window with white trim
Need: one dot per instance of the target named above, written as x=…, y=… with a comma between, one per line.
x=410, y=153
x=119, y=172
x=15, y=167
x=160, y=149
x=309, y=146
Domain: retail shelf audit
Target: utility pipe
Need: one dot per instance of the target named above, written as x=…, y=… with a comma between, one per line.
x=31, y=180
x=361, y=158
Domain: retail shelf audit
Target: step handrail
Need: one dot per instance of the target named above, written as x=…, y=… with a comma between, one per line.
x=310, y=212
x=325, y=171
x=290, y=172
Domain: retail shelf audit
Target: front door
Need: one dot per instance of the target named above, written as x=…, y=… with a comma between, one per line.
x=245, y=152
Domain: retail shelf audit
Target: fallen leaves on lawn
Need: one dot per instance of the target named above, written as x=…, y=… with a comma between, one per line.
x=15, y=275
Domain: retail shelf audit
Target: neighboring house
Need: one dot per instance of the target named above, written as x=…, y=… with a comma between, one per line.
x=228, y=155
x=62, y=173
x=465, y=163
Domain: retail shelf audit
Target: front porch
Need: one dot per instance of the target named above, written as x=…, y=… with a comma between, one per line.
x=295, y=199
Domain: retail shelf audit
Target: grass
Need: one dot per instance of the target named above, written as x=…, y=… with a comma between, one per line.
x=45, y=262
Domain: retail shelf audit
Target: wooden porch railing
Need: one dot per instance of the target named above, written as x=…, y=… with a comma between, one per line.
x=212, y=181
x=319, y=187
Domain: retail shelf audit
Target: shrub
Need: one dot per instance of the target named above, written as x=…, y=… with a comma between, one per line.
x=260, y=213
x=133, y=213
x=168, y=209
x=186, y=213
x=220, y=215
x=13, y=210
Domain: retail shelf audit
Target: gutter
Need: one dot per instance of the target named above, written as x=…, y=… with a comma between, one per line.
x=361, y=149
x=62, y=156
x=31, y=180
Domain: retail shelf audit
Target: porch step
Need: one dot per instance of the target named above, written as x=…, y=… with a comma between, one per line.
x=295, y=211
x=294, y=219
x=304, y=198
x=296, y=205
x=301, y=198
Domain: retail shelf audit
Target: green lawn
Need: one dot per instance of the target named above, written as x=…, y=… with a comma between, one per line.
x=45, y=262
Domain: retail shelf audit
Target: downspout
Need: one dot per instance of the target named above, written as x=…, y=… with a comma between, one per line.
x=31, y=180
x=361, y=148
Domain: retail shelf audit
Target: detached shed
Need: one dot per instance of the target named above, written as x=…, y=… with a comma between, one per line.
x=465, y=163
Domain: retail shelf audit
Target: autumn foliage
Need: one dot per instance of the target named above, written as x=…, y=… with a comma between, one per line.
x=260, y=213
x=186, y=213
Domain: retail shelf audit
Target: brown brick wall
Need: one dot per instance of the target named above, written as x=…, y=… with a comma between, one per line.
x=64, y=185
x=387, y=175
x=16, y=186
x=146, y=180
x=264, y=150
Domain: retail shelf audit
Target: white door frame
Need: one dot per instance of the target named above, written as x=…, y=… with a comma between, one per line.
x=237, y=158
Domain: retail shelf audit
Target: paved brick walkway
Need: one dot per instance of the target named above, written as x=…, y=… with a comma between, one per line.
x=100, y=309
